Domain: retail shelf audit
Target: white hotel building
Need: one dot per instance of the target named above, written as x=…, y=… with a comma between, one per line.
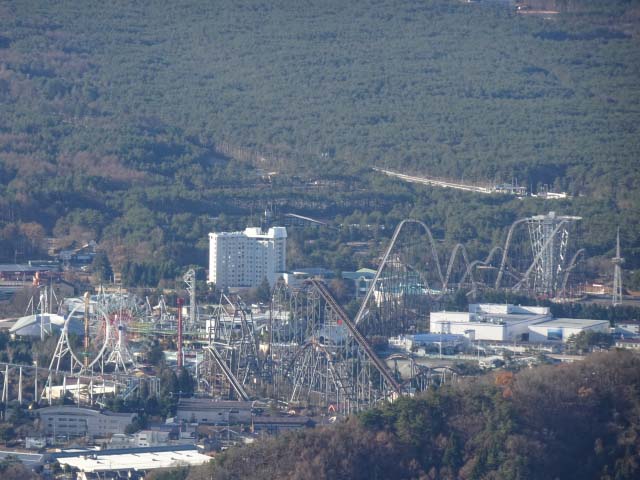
x=243, y=259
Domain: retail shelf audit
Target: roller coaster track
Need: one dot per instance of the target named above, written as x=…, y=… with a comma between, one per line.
x=237, y=386
x=459, y=249
x=475, y=263
x=360, y=339
x=363, y=306
x=505, y=251
x=572, y=264
x=463, y=251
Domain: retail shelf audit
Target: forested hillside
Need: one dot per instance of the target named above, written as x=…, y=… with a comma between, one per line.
x=573, y=421
x=113, y=118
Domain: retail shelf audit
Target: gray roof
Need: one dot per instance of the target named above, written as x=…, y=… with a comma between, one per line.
x=22, y=268
x=30, y=325
x=206, y=403
x=572, y=323
x=79, y=411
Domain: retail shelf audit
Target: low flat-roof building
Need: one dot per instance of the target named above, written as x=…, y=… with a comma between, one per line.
x=71, y=421
x=361, y=279
x=561, y=329
x=275, y=425
x=132, y=463
x=25, y=273
x=438, y=341
x=493, y=322
x=628, y=328
x=629, y=343
x=509, y=323
x=295, y=278
x=143, y=438
x=207, y=411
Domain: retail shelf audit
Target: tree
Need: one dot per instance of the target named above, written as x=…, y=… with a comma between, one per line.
x=155, y=356
x=172, y=474
x=342, y=290
x=186, y=382
x=102, y=267
x=6, y=432
x=11, y=468
x=169, y=387
x=586, y=340
x=263, y=291
x=138, y=423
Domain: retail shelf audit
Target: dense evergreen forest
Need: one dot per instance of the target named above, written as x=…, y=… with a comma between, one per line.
x=129, y=123
x=574, y=421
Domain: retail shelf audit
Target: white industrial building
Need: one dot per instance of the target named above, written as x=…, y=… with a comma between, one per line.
x=494, y=322
x=132, y=463
x=511, y=323
x=243, y=259
x=561, y=329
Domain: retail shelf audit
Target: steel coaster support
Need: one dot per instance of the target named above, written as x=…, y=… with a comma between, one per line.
x=540, y=262
x=235, y=384
x=360, y=339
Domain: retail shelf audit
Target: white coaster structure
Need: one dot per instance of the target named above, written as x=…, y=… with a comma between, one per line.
x=547, y=272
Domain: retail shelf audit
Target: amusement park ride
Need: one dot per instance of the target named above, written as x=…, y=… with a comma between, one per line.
x=304, y=349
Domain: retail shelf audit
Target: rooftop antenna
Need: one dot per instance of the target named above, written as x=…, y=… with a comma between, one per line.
x=617, y=273
x=267, y=217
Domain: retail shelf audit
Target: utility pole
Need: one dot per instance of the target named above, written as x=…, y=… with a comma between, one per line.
x=20, y=386
x=35, y=383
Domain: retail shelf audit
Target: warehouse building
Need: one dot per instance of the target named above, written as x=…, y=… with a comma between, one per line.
x=561, y=329
x=492, y=322
x=511, y=323
x=129, y=463
x=216, y=412
x=244, y=259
